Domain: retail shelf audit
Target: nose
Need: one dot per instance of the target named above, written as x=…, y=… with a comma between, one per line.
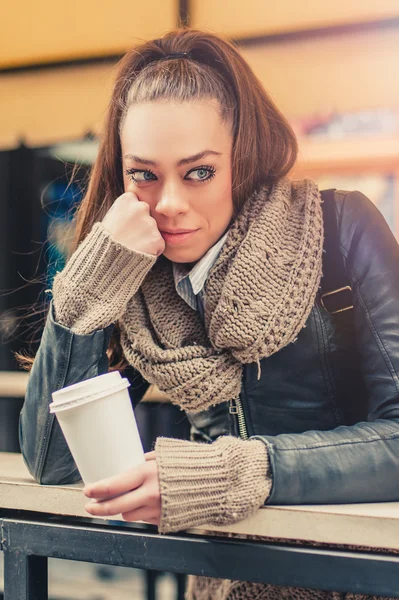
x=172, y=202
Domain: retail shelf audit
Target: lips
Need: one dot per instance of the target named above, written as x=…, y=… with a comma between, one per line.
x=178, y=236
x=177, y=231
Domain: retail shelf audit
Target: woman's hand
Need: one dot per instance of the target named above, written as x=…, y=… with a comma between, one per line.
x=139, y=497
x=129, y=222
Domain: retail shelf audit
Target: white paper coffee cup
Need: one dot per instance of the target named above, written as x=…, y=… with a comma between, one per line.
x=98, y=422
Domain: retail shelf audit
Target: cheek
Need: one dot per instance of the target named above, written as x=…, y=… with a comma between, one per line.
x=218, y=199
x=217, y=205
x=224, y=204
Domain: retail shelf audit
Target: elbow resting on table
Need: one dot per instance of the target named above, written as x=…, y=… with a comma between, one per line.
x=58, y=471
x=59, y=479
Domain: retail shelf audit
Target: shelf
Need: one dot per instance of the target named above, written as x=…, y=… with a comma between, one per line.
x=348, y=155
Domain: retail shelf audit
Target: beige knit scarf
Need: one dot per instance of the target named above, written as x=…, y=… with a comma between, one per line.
x=258, y=296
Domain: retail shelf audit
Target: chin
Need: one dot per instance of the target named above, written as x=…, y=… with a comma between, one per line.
x=184, y=255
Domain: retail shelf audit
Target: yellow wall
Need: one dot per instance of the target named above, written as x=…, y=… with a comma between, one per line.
x=340, y=72
x=46, y=30
x=45, y=107
x=257, y=17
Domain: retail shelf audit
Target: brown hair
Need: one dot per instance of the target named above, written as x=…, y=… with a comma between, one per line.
x=264, y=144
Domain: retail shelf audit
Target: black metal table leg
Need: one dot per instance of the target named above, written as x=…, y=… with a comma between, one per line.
x=25, y=576
x=151, y=582
x=181, y=581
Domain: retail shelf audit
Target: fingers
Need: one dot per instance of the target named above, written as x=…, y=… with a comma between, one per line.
x=150, y=455
x=134, y=494
x=114, y=486
x=123, y=504
x=142, y=514
x=130, y=195
x=130, y=223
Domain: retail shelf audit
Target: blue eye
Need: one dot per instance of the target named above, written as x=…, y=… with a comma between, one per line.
x=203, y=174
x=139, y=176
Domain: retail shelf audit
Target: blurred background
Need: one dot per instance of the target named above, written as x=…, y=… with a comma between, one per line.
x=332, y=68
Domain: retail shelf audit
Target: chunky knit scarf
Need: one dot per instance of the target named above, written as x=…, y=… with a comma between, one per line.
x=258, y=296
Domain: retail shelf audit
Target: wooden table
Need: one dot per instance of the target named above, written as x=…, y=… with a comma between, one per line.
x=50, y=521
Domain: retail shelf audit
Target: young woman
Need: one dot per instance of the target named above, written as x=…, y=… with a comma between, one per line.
x=198, y=267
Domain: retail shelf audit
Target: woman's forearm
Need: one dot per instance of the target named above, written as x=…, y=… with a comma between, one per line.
x=63, y=358
x=218, y=483
x=97, y=282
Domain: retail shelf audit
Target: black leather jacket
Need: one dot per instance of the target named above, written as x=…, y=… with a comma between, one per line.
x=326, y=406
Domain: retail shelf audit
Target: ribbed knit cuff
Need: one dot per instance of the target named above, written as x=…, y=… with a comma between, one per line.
x=97, y=282
x=218, y=483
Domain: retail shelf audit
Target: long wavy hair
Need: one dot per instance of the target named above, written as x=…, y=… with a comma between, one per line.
x=264, y=144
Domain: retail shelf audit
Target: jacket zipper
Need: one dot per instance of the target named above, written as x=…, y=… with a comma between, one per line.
x=236, y=408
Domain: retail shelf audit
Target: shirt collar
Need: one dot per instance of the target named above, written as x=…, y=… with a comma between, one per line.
x=199, y=273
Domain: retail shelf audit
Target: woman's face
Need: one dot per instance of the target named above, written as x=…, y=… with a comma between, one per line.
x=177, y=159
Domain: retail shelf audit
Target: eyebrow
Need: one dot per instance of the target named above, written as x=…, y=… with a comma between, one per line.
x=183, y=161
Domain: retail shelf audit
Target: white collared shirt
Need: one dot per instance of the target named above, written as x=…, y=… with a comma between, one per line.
x=190, y=284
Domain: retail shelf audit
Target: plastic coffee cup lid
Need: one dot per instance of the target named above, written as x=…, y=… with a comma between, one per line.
x=88, y=386
x=120, y=384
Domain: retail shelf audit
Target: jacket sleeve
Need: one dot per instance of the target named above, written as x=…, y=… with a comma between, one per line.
x=89, y=295
x=357, y=463
x=63, y=358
